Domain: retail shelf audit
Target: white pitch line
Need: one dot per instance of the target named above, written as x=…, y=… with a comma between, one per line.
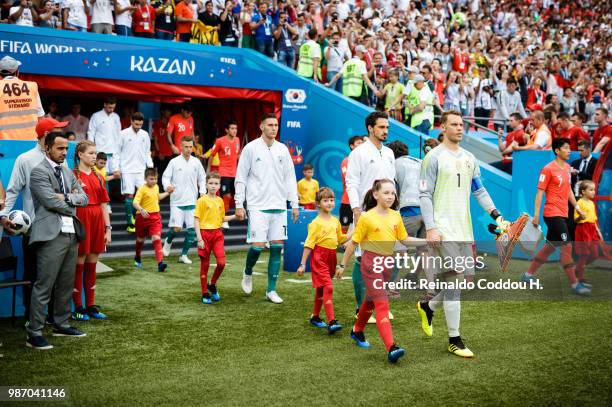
x=293, y=280
x=257, y=273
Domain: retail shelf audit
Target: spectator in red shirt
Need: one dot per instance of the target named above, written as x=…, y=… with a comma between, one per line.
x=143, y=20
x=603, y=133
x=536, y=97
x=184, y=18
x=180, y=125
x=505, y=146
x=163, y=149
x=570, y=131
x=461, y=58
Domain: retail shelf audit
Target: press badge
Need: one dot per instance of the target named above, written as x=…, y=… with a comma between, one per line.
x=67, y=224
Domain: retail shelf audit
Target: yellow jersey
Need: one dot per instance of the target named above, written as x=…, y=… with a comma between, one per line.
x=326, y=233
x=307, y=190
x=210, y=212
x=588, y=208
x=215, y=161
x=101, y=172
x=148, y=198
x=378, y=233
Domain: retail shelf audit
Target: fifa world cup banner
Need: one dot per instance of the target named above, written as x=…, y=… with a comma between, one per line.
x=203, y=34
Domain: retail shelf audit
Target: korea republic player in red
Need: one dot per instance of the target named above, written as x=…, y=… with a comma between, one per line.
x=554, y=181
x=377, y=231
x=209, y=216
x=449, y=174
x=266, y=181
x=148, y=217
x=324, y=236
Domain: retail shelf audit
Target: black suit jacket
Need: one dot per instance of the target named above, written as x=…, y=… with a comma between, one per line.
x=587, y=173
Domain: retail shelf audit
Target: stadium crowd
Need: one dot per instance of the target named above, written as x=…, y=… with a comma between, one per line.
x=487, y=59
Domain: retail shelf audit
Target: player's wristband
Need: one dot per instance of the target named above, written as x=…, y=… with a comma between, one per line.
x=341, y=266
x=495, y=214
x=109, y=227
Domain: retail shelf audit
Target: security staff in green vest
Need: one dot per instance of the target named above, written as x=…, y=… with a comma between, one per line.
x=310, y=57
x=420, y=105
x=354, y=75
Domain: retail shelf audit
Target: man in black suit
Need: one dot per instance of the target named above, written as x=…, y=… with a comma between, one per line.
x=584, y=167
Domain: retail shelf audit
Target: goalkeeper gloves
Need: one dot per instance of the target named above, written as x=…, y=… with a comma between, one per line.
x=501, y=223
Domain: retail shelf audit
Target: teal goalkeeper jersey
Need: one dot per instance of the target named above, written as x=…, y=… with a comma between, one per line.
x=447, y=179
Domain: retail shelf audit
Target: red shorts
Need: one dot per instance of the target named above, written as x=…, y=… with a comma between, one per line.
x=374, y=274
x=322, y=266
x=586, y=240
x=147, y=227
x=311, y=205
x=92, y=219
x=214, y=241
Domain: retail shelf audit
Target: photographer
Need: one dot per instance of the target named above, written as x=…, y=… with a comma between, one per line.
x=48, y=16
x=23, y=14
x=230, y=26
x=335, y=56
x=285, y=33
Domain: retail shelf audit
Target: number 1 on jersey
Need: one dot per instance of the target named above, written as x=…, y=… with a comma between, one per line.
x=458, y=180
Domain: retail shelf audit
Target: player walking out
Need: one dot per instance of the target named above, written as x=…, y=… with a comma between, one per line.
x=367, y=163
x=95, y=219
x=210, y=216
x=266, y=181
x=448, y=175
x=377, y=230
x=346, y=214
x=324, y=236
x=134, y=156
x=185, y=175
x=148, y=218
x=228, y=150
x=555, y=182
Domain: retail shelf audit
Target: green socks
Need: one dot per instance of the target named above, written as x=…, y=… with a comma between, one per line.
x=170, y=236
x=358, y=286
x=251, y=260
x=129, y=211
x=274, y=266
x=190, y=236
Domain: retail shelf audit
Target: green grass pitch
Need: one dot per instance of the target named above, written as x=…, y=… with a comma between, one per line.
x=161, y=346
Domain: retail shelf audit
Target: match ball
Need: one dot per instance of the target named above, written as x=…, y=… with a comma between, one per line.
x=21, y=220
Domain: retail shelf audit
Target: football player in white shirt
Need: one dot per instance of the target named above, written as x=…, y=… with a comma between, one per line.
x=265, y=179
x=134, y=157
x=186, y=175
x=104, y=130
x=368, y=162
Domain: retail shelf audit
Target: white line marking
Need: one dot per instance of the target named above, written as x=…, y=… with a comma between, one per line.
x=293, y=280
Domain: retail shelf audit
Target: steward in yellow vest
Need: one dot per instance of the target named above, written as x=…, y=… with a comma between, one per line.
x=310, y=57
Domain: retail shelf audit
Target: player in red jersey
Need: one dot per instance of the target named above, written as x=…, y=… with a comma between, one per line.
x=554, y=181
x=346, y=213
x=96, y=221
x=228, y=148
x=570, y=131
x=180, y=125
x=163, y=149
x=603, y=133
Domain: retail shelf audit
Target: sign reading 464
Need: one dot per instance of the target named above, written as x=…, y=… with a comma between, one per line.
x=16, y=89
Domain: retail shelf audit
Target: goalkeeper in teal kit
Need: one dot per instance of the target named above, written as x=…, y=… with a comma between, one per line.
x=449, y=174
